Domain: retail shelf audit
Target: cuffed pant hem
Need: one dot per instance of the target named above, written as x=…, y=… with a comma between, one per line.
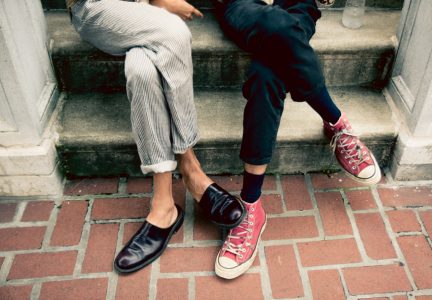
x=165, y=166
x=256, y=161
x=184, y=149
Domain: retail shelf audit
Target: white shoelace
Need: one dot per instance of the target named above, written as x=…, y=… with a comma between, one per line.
x=244, y=235
x=355, y=154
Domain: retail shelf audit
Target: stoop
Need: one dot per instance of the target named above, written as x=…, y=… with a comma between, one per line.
x=94, y=127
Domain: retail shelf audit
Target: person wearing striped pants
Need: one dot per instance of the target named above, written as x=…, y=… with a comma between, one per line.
x=158, y=68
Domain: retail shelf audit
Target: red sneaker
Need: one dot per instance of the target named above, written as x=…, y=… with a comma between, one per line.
x=354, y=157
x=240, y=248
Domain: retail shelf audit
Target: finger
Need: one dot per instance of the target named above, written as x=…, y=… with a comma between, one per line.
x=197, y=13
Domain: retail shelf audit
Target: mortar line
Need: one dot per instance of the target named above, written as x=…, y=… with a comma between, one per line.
x=122, y=184
x=84, y=238
x=188, y=224
x=343, y=282
x=5, y=268
x=356, y=232
x=19, y=211
x=319, y=223
x=307, y=289
x=265, y=276
x=154, y=276
x=279, y=189
x=24, y=281
x=36, y=290
x=113, y=277
x=393, y=239
x=191, y=288
x=52, y=221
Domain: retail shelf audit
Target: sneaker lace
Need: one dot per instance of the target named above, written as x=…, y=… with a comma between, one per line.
x=242, y=233
x=349, y=143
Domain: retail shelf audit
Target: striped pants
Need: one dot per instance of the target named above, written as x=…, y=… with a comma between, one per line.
x=158, y=69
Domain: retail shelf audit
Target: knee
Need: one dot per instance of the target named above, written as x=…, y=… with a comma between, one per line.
x=138, y=68
x=265, y=86
x=275, y=26
x=176, y=32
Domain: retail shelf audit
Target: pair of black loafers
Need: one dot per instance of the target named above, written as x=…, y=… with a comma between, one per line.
x=150, y=241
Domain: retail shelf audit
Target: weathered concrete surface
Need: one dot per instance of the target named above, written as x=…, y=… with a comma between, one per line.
x=349, y=57
x=95, y=134
x=390, y=4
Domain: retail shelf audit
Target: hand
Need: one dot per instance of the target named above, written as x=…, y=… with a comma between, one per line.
x=179, y=7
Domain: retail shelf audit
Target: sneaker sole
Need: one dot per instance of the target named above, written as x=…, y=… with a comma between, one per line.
x=239, y=270
x=374, y=179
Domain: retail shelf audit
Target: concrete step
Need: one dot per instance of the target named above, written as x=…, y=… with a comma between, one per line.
x=388, y=4
x=95, y=134
x=349, y=57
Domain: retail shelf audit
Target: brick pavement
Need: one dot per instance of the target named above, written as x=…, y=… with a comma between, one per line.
x=326, y=238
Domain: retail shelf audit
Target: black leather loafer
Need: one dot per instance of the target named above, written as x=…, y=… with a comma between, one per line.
x=221, y=207
x=148, y=243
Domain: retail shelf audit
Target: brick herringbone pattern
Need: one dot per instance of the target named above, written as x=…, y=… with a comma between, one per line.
x=326, y=238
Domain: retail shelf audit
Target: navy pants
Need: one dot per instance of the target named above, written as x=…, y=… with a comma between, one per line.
x=278, y=37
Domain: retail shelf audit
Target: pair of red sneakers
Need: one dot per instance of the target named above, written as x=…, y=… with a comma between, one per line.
x=240, y=247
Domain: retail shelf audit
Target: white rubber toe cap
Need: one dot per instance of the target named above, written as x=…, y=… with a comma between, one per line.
x=227, y=263
x=367, y=172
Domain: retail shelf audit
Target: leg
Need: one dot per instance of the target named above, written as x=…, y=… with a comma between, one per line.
x=279, y=39
x=150, y=115
x=265, y=94
x=118, y=26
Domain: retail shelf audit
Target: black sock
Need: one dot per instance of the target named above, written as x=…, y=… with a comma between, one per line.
x=323, y=104
x=252, y=184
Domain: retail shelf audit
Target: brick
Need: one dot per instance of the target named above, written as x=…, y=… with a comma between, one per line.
x=204, y=229
x=329, y=252
x=139, y=185
x=215, y=288
x=34, y=265
x=134, y=286
x=295, y=192
x=7, y=212
x=290, y=228
x=400, y=297
x=131, y=228
x=376, y=279
x=361, y=199
x=374, y=236
x=23, y=238
x=91, y=186
x=283, y=271
x=120, y=208
x=179, y=260
x=101, y=248
x=406, y=196
x=15, y=292
x=168, y=287
x=331, y=181
x=326, y=285
x=83, y=289
x=403, y=220
x=375, y=298
x=37, y=211
x=333, y=213
x=424, y=297
x=426, y=217
x=418, y=255
x=69, y=225
x=272, y=203
x=234, y=183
